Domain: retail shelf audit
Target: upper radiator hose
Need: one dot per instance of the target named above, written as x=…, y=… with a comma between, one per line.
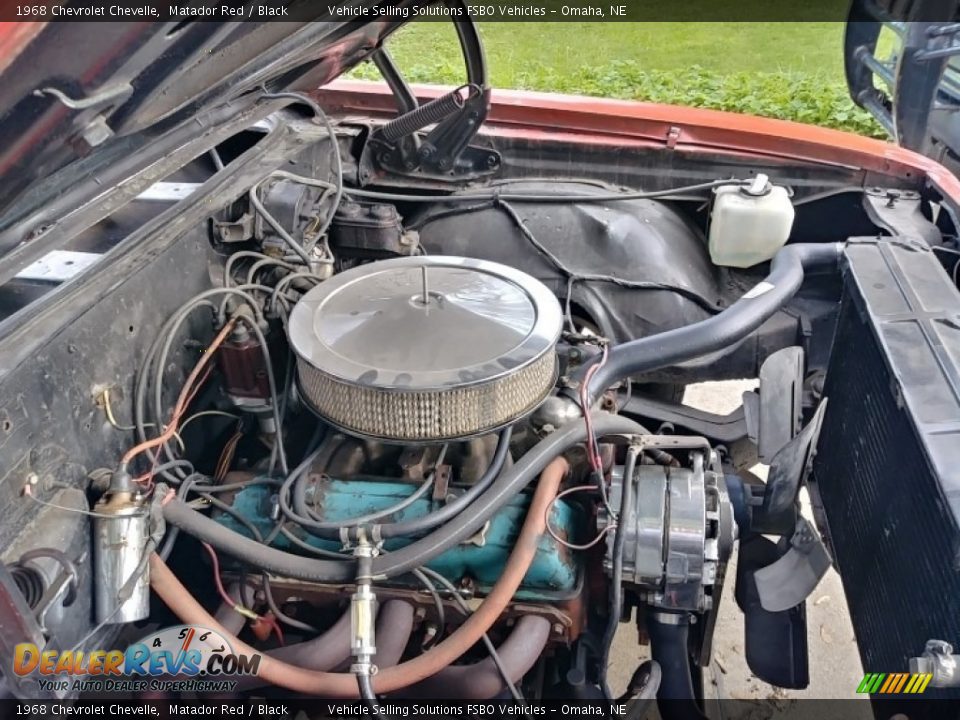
x=727, y=328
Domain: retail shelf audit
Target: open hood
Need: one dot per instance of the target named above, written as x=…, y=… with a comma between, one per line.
x=903, y=65
x=74, y=89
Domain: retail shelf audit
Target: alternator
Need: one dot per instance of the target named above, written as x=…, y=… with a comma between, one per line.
x=679, y=533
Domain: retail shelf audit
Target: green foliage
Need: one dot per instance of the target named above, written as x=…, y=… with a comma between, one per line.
x=791, y=71
x=812, y=99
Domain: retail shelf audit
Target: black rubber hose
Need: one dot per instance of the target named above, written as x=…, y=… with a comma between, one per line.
x=401, y=561
x=721, y=331
x=369, y=697
x=418, y=526
x=354, y=528
x=366, y=688
x=642, y=690
x=616, y=580
x=668, y=647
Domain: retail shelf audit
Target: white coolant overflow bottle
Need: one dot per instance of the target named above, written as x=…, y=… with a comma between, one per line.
x=749, y=223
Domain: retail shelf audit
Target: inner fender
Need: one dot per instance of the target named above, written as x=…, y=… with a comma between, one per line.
x=633, y=240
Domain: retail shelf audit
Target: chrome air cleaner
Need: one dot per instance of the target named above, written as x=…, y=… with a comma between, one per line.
x=426, y=348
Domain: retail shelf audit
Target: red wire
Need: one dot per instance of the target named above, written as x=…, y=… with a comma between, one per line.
x=277, y=629
x=216, y=575
x=215, y=561
x=593, y=450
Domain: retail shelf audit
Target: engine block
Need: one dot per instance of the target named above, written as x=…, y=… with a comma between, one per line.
x=555, y=574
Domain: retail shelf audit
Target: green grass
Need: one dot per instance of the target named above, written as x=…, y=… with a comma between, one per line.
x=788, y=70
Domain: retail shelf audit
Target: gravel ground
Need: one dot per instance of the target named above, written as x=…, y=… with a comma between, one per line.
x=835, y=669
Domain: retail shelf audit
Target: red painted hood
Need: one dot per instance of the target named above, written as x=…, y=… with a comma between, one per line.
x=618, y=122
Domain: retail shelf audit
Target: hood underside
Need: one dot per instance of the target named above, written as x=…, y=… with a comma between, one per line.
x=72, y=90
x=64, y=96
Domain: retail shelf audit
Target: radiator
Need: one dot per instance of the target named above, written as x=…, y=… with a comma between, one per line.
x=887, y=470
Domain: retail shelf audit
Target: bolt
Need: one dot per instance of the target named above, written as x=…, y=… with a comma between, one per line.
x=430, y=632
x=558, y=628
x=96, y=132
x=466, y=586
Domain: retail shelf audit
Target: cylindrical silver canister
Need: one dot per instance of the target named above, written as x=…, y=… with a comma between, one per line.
x=121, y=529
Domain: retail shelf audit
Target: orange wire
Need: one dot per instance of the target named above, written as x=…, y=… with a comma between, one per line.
x=193, y=393
x=186, y=394
x=226, y=457
x=147, y=477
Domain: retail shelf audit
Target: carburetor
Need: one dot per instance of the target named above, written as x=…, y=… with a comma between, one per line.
x=678, y=525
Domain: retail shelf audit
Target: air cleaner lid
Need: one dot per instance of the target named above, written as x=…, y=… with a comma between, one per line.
x=425, y=323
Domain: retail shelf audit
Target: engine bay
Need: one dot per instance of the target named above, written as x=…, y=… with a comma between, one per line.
x=408, y=440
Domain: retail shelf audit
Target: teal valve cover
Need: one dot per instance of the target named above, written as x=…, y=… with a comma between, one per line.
x=553, y=575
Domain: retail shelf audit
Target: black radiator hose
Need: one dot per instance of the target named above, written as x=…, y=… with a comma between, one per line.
x=501, y=491
x=721, y=331
x=668, y=646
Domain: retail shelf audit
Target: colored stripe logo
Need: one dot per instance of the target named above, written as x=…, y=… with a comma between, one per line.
x=894, y=683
